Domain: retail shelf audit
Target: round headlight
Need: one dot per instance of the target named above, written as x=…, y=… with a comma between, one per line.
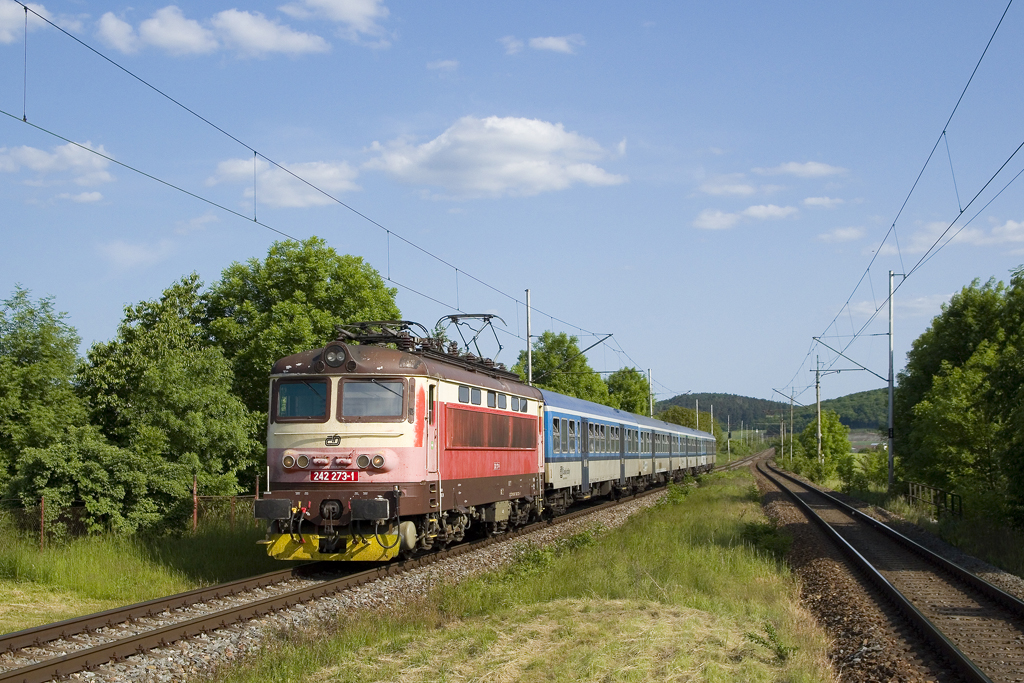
x=334, y=356
x=302, y=461
x=288, y=462
x=363, y=461
x=378, y=461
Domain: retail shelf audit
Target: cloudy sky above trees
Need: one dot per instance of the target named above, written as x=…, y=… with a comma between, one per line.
x=706, y=182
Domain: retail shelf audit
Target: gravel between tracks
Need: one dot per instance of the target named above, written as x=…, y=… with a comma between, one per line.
x=198, y=657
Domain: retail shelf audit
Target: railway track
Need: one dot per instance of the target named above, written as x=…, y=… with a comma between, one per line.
x=52, y=651
x=976, y=627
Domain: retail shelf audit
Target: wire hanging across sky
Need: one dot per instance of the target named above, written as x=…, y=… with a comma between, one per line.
x=259, y=155
x=935, y=247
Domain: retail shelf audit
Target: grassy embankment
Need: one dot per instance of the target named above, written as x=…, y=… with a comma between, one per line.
x=975, y=534
x=95, y=573
x=693, y=589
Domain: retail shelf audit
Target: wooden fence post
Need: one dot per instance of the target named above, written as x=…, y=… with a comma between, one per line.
x=195, y=502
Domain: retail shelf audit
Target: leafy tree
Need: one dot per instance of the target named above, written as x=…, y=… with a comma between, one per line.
x=38, y=360
x=973, y=315
x=628, y=388
x=835, y=447
x=163, y=391
x=559, y=366
x=685, y=417
x=291, y=301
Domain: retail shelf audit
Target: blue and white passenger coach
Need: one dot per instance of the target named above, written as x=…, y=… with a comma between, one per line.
x=593, y=450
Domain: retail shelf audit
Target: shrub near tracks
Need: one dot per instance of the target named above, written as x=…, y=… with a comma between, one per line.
x=688, y=589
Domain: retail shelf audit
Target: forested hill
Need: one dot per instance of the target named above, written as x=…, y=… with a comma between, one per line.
x=863, y=410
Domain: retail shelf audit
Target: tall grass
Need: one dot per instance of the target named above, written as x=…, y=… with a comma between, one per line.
x=678, y=593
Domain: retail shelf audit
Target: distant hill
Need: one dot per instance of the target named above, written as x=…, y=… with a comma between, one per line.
x=862, y=410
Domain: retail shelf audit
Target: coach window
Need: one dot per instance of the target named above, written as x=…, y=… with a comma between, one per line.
x=565, y=437
x=555, y=440
x=474, y=394
x=463, y=394
x=502, y=401
x=572, y=436
x=301, y=400
x=492, y=399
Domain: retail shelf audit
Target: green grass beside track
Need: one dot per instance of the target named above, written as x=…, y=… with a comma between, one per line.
x=693, y=589
x=94, y=573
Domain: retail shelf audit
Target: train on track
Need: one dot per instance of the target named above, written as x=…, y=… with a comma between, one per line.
x=385, y=444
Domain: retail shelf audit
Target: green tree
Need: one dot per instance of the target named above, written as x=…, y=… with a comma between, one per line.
x=291, y=301
x=686, y=417
x=559, y=366
x=835, y=447
x=161, y=390
x=38, y=361
x=628, y=388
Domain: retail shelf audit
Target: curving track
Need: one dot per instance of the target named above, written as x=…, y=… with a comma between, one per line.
x=977, y=628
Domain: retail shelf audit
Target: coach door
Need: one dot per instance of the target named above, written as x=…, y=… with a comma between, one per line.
x=585, y=455
x=622, y=455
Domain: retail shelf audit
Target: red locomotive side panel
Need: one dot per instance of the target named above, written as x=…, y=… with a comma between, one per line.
x=480, y=443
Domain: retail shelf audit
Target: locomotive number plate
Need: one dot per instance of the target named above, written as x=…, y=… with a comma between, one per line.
x=336, y=475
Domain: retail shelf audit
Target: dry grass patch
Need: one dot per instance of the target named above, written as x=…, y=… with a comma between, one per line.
x=570, y=640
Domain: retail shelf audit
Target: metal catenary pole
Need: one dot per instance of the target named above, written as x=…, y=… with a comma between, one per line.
x=529, y=343
x=817, y=399
x=890, y=444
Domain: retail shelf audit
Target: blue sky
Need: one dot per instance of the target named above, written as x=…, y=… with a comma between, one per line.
x=707, y=181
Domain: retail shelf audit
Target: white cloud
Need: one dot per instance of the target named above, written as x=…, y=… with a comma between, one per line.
x=842, y=235
x=512, y=44
x=127, y=256
x=170, y=30
x=1008, y=233
x=82, y=197
x=117, y=33
x=253, y=34
x=498, y=156
x=86, y=167
x=809, y=169
x=769, y=211
x=825, y=202
x=712, y=219
x=565, y=44
x=358, y=19
x=12, y=20
x=276, y=187
x=730, y=184
x=444, y=65
x=195, y=224
x=621, y=147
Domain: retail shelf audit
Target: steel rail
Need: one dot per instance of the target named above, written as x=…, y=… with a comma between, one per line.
x=967, y=668
x=92, y=657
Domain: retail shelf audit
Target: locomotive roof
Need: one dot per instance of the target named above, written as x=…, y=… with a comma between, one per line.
x=555, y=400
x=379, y=360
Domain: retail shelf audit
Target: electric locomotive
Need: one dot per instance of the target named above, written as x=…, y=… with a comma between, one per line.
x=383, y=444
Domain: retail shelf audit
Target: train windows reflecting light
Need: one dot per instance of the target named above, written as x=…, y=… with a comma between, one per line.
x=474, y=396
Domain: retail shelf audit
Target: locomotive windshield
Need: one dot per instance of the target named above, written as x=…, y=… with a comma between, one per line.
x=303, y=399
x=373, y=398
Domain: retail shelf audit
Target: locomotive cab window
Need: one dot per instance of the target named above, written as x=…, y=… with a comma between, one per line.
x=372, y=400
x=301, y=400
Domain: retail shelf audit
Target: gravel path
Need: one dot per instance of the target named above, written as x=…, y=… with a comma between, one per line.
x=198, y=657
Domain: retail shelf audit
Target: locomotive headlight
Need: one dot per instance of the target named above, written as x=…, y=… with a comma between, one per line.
x=302, y=461
x=363, y=461
x=378, y=461
x=334, y=356
x=288, y=462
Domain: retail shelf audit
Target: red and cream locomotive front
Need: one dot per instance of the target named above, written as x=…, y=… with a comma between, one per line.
x=374, y=450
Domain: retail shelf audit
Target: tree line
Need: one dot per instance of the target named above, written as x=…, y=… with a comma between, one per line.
x=959, y=403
